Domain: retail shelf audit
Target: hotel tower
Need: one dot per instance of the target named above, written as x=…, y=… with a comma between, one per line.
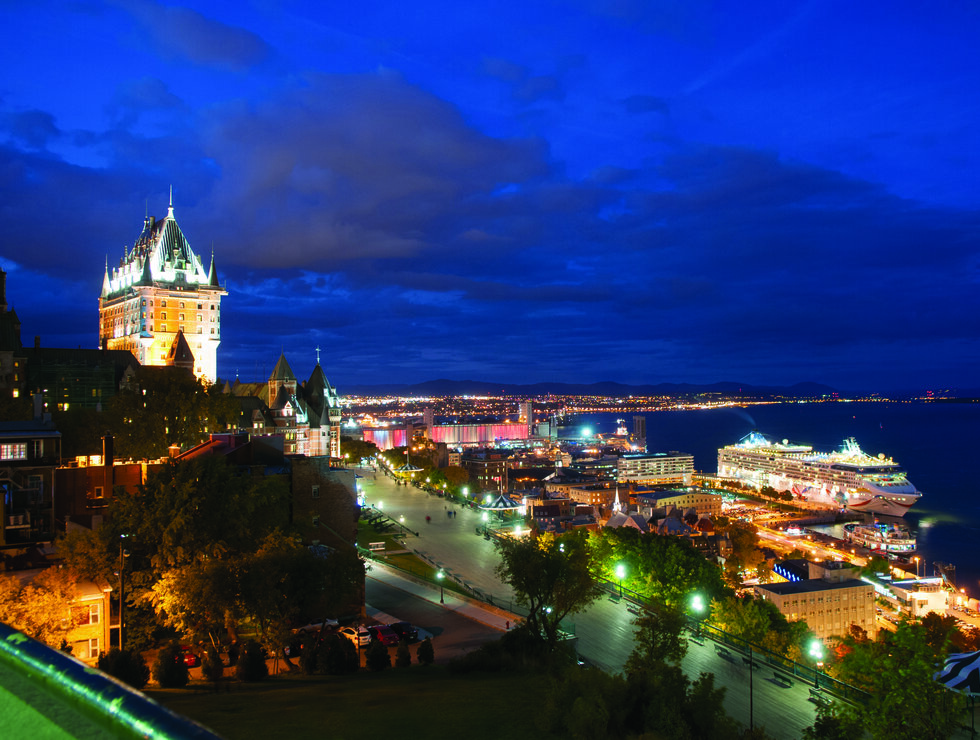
x=161, y=303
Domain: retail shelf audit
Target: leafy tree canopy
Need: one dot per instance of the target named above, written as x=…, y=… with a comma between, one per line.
x=551, y=580
x=165, y=406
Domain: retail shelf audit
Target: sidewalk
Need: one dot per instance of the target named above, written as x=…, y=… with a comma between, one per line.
x=478, y=611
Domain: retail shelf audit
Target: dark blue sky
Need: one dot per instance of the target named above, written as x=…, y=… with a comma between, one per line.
x=636, y=191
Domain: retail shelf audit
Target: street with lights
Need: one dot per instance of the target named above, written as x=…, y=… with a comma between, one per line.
x=604, y=633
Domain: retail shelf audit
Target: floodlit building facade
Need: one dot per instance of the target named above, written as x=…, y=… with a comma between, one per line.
x=161, y=303
x=656, y=468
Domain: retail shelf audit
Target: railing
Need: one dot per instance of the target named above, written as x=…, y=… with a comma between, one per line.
x=82, y=694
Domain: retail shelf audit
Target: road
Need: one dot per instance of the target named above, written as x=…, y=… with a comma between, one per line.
x=604, y=631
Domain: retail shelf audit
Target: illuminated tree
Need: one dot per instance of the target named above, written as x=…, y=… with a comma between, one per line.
x=897, y=670
x=40, y=609
x=551, y=581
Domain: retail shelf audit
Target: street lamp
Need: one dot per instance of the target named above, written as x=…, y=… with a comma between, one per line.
x=439, y=576
x=816, y=652
x=123, y=554
x=916, y=559
x=697, y=605
x=620, y=574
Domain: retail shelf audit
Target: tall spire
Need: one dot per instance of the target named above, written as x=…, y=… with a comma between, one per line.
x=170, y=208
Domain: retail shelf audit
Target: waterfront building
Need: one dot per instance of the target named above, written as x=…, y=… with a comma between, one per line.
x=161, y=303
x=830, y=599
x=656, y=468
x=701, y=500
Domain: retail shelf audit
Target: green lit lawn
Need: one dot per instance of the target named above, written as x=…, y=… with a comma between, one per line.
x=419, y=702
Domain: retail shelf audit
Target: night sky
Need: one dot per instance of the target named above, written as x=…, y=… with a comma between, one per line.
x=521, y=192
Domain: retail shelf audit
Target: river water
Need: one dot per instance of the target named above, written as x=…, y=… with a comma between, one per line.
x=936, y=443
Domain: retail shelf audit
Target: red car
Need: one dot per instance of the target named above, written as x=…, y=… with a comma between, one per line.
x=189, y=656
x=383, y=634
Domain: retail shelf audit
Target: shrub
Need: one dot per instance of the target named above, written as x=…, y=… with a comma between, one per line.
x=403, y=657
x=251, y=664
x=309, y=660
x=126, y=665
x=338, y=656
x=425, y=654
x=169, y=670
x=377, y=657
x=211, y=666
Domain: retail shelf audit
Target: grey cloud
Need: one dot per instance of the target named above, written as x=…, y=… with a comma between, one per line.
x=186, y=33
x=32, y=128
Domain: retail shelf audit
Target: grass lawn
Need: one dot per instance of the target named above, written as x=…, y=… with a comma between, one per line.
x=418, y=702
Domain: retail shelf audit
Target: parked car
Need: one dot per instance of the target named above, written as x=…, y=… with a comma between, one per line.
x=358, y=635
x=384, y=634
x=190, y=658
x=326, y=624
x=405, y=631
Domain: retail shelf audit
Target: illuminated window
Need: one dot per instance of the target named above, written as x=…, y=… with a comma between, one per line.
x=90, y=614
x=13, y=451
x=163, y=315
x=163, y=303
x=16, y=393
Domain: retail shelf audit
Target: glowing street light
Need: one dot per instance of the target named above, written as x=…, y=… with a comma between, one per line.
x=440, y=574
x=620, y=574
x=816, y=652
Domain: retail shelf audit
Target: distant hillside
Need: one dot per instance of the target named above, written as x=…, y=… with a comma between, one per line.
x=445, y=387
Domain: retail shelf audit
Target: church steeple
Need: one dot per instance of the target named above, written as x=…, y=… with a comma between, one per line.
x=170, y=208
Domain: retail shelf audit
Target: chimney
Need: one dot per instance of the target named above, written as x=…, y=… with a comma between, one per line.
x=37, y=341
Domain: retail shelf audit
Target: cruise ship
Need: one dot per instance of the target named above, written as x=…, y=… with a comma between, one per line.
x=848, y=478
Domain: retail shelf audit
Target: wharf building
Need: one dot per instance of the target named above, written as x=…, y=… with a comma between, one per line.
x=656, y=468
x=828, y=596
x=161, y=303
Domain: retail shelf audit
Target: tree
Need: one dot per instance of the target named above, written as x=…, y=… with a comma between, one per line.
x=356, y=450
x=169, y=669
x=377, y=657
x=897, y=671
x=876, y=564
x=403, y=656
x=425, y=655
x=549, y=581
x=251, y=665
x=41, y=609
x=126, y=665
x=164, y=406
x=658, y=639
x=211, y=666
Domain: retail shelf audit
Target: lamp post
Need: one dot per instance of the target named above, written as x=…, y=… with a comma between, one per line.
x=439, y=576
x=123, y=554
x=916, y=559
x=620, y=574
x=816, y=652
x=697, y=605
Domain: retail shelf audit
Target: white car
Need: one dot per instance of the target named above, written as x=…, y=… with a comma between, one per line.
x=358, y=635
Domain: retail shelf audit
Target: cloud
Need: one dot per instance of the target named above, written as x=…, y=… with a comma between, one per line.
x=33, y=128
x=182, y=32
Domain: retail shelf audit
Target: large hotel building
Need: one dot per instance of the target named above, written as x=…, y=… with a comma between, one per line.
x=161, y=303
